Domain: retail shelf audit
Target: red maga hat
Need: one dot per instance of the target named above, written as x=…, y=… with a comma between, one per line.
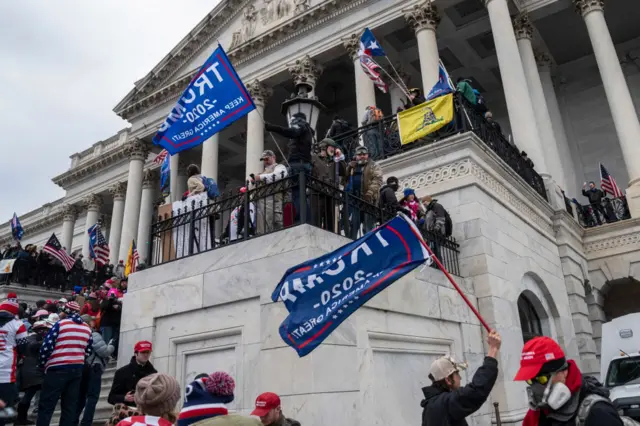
x=537, y=352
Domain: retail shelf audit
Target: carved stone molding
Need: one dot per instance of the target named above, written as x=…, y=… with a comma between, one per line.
x=613, y=242
x=523, y=27
x=118, y=191
x=69, y=212
x=423, y=17
x=305, y=71
x=352, y=44
x=259, y=92
x=542, y=59
x=248, y=27
x=91, y=167
x=149, y=178
x=93, y=202
x=585, y=6
x=137, y=150
x=301, y=6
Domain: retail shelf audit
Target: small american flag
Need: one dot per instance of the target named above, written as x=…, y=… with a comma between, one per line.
x=99, y=249
x=54, y=248
x=160, y=157
x=608, y=183
x=370, y=68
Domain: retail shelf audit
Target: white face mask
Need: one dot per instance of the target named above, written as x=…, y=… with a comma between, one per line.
x=558, y=396
x=553, y=396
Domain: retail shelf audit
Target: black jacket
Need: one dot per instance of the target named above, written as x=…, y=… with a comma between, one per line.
x=126, y=379
x=601, y=413
x=594, y=196
x=388, y=200
x=441, y=408
x=300, y=140
x=30, y=373
x=111, y=315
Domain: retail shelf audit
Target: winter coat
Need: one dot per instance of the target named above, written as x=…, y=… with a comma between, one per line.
x=195, y=185
x=595, y=195
x=126, y=379
x=442, y=408
x=465, y=89
x=229, y=420
x=327, y=170
x=101, y=351
x=285, y=421
x=371, y=180
x=31, y=374
x=387, y=199
x=435, y=220
x=300, y=138
x=110, y=314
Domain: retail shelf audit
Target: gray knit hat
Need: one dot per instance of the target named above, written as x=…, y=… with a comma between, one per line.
x=157, y=394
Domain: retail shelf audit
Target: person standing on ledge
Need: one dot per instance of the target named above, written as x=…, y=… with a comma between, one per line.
x=446, y=402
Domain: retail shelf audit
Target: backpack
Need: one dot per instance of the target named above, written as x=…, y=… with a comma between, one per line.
x=448, y=224
x=211, y=186
x=589, y=401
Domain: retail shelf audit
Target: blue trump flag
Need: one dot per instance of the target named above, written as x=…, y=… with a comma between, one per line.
x=16, y=228
x=321, y=293
x=442, y=86
x=165, y=176
x=215, y=98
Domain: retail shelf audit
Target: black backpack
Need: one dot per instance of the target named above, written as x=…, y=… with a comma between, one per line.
x=448, y=224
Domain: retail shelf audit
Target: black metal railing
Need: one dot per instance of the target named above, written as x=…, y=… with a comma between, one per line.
x=609, y=210
x=383, y=140
x=285, y=202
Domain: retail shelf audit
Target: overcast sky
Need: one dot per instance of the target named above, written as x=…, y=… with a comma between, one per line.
x=64, y=65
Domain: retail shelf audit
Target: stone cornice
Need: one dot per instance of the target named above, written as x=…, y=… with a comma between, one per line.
x=89, y=168
x=152, y=92
x=612, y=239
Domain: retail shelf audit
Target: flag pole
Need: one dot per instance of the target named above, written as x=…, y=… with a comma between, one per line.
x=274, y=140
x=402, y=87
x=397, y=74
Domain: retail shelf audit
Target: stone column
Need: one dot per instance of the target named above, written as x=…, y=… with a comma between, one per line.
x=69, y=214
x=567, y=159
x=149, y=185
x=623, y=111
x=396, y=93
x=551, y=153
x=138, y=152
x=118, y=192
x=93, y=202
x=424, y=19
x=182, y=179
x=255, y=127
x=174, y=166
x=519, y=105
x=365, y=89
x=209, y=166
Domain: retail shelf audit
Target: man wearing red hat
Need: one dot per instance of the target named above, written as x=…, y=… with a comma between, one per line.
x=13, y=333
x=269, y=409
x=558, y=393
x=127, y=377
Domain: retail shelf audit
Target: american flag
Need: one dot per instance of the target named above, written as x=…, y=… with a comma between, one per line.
x=54, y=248
x=370, y=68
x=608, y=183
x=98, y=247
x=160, y=157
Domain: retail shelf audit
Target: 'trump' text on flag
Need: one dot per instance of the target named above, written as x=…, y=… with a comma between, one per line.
x=215, y=98
x=321, y=293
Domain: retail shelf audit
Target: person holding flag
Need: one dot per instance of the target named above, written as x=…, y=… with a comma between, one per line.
x=16, y=228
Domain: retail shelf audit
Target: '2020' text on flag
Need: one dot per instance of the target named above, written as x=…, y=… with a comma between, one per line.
x=215, y=98
x=321, y=293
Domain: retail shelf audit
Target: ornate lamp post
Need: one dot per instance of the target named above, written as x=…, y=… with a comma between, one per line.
x=304, y=101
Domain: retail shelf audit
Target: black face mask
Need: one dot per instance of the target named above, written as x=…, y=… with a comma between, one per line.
x=296, y=121
x=395, y=187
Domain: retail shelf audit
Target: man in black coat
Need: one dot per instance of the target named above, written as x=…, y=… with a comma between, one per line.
x=595, y=197
x=127, y=377
x=388, y=200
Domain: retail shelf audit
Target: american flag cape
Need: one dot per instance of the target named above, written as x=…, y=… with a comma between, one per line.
x=608, y=183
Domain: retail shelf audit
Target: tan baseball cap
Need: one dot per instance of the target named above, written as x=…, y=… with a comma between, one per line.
x=445, y=366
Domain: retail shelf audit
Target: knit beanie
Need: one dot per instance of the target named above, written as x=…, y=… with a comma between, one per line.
x=206, y=397
x=157, y=394
x=408, y=191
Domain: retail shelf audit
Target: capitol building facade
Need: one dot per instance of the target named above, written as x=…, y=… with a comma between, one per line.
x=562, y=78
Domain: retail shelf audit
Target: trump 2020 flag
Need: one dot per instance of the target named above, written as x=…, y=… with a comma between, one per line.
x=215, y=98
x=321, y=293
x=443, y=85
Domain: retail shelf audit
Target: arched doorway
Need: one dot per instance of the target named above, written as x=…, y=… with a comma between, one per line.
x=529, y=318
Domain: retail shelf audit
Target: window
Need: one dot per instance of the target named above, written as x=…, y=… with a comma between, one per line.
x=529, y=319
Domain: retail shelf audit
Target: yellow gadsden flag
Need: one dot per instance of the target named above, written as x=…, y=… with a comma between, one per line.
x=426, y=118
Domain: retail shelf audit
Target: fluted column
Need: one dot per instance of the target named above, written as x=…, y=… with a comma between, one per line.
x=567, y=159
x=149, y=186
x=424, y=20
x=93, y=203
x=209, y=166
x=365, y=89
x=255, y=127
x=516, y=93
x=524, y=35
x=138, y=152
x=174, y=166
x=69, y=214
x=118, y=192
x=623, y=111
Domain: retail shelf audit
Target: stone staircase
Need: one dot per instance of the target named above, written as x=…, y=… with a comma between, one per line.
x=103, y=408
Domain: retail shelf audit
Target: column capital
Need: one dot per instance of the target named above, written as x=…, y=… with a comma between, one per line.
x=352, y=44
x=542, y=59
x=69, y=212
x=118, y=191
x=305, y=71
x=583, y=7
x=137, y=150
x=522, y=26
x=93, y=202
x=260, y=93
x=423, y=17
x=149, y=178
